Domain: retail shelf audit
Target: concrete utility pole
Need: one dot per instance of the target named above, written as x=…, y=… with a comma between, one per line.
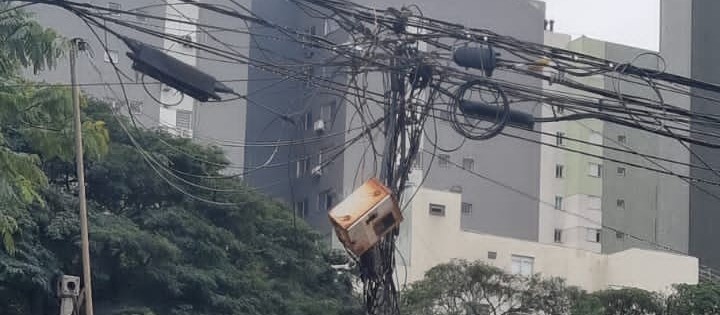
x=79, y=45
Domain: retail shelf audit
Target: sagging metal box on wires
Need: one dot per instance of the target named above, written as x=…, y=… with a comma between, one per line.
x=363, y=218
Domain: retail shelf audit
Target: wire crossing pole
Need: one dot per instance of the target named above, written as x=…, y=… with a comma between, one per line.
x=77, y=45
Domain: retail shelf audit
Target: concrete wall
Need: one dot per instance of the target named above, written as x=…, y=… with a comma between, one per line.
x=438, y=239
x=704, y=214
x=503, y=213
x=689, y=41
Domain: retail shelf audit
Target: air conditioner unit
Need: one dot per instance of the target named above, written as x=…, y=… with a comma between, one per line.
x=317, y=171
x=185, y=133
x=363, y=218
x=319, y=126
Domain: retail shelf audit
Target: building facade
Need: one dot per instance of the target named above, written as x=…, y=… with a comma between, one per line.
x=689, y=41
x=431, y=238
x=594, y=202
x=313, y=187
x=152, y=104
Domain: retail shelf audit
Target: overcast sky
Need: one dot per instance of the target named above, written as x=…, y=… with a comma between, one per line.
x=629, y=22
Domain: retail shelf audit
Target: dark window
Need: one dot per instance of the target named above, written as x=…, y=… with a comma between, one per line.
x=558, y=202
x=325, y=201
x=558, y=236
x=559, y=171
x=593, y=235
x=492, y=255
x=621, y=204
x=560, y=138
x=438, y=210
x=307, y=121
x=621, y=171
x=301, y=208
x=622, y=139
x=444, y=160
x=467, y=208
x=468, y=164
x=303, y=165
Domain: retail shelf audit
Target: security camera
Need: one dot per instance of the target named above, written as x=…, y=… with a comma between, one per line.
x=69, y=286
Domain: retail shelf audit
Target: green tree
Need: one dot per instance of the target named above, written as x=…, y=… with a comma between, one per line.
x=159, y=251
x=475, y=288
x=627, y=301
x=700, y=299
x=34, y=121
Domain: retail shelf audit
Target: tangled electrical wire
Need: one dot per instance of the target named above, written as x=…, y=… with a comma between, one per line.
x=410, y=52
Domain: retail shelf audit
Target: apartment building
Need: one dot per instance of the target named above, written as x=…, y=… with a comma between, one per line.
x=152, y=104
x=689, y=41
x=313, y=188
x=431, y=237
x=592, y=201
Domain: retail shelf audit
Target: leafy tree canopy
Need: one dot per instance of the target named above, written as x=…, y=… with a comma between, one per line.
x=155, y=247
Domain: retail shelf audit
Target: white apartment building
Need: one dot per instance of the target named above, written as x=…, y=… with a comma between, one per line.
x=432, y=234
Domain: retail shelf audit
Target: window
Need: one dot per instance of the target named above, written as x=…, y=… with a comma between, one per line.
x=308, y=73
x=320, y=157
x=593, y=235
x=595, y=138
x=522, y=265
x=438, y=210
x=619, y=234
x=140, y=17
x=307, y=121
x=621, y=171
x=622, y=139
x=559, y=171
x=560, y=110
x=301, y=208
x=326, y=112
x=325, y=201
x=558, y=236
x=558, y=202
x=621, y=204
x=114, y=6
x=111, y=56
x=594, y=202
x=183, y=119
x=594, y=169
x=468, y=164
x=466, y=208
x=492, y=255
x=302, y=167
x=560, y=138
x=444, y=160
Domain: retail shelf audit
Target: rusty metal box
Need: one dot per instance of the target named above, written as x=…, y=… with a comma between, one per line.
x=364, y=217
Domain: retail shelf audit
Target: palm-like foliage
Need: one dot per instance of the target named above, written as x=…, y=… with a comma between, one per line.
x=25, y=43
x=35, y=122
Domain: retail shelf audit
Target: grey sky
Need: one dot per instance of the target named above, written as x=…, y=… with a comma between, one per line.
x=629, y=22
